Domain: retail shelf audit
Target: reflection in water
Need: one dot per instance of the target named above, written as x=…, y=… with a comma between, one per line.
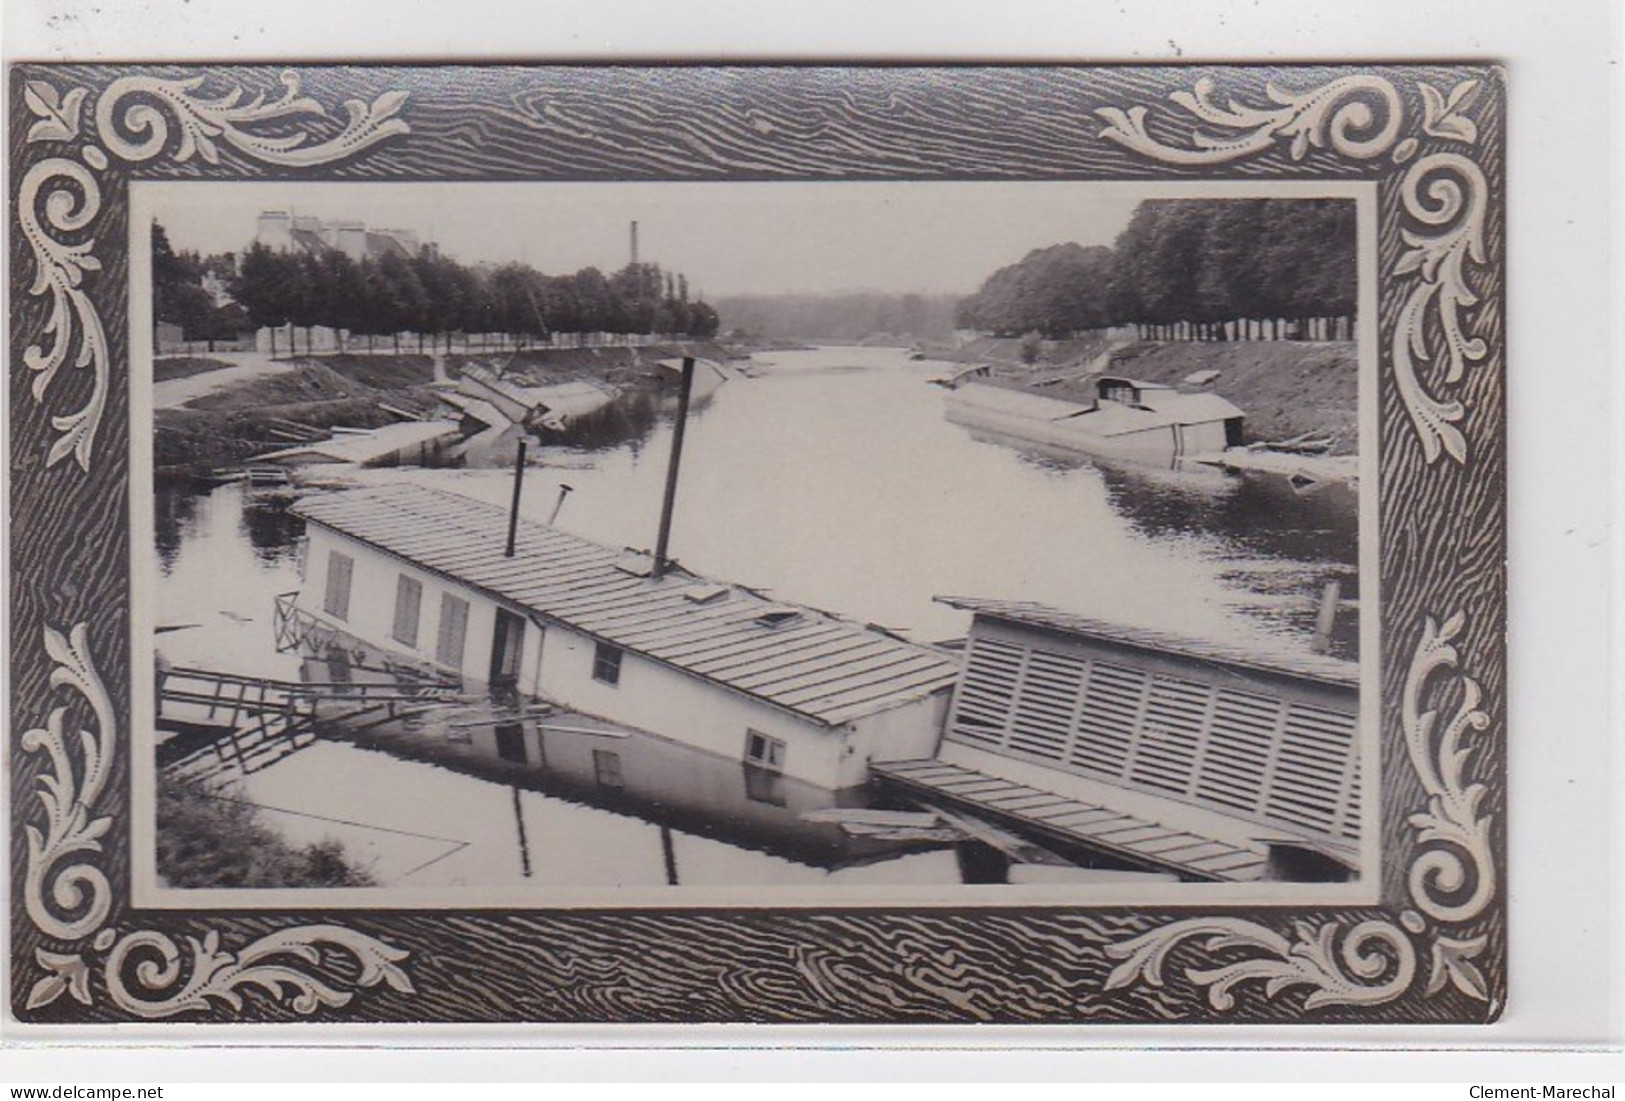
x=272, y=530
x=625, y=422
x=174, y=518
x=831, y=478
x=1258, y=517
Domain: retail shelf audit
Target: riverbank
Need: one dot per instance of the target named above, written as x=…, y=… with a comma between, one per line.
x=1286, y=388
x=226, y=426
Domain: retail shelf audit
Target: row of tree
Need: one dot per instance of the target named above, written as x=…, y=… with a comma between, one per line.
x=1191, y=268
x=428, y=295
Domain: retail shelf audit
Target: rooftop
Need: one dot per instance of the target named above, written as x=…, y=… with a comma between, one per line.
x=814, y=664
x=1326, y=670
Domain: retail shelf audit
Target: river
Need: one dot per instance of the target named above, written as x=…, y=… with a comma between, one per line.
x=830, y=477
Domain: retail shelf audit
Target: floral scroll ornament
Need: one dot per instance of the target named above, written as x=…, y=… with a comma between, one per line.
x=1360, y=117
x=132, y=121
x=1374, y=961
x=142, y=969
x=67, y=895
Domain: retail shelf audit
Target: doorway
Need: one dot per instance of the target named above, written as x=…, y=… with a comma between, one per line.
x=507, y=648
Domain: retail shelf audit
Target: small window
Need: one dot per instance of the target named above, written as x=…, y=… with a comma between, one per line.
x=408, y=604
x=764, y=786
x=606, y=768
x=511, y=742
x=606, y=663
x=336, y=601
x=764, y=752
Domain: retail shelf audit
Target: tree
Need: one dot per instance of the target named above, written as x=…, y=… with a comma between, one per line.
x=261, y=288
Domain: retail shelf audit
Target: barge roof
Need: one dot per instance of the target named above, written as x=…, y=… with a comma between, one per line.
x=798, y=658
x=1315, y=667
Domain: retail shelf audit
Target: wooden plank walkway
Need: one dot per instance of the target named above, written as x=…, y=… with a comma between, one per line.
x=1087, y=824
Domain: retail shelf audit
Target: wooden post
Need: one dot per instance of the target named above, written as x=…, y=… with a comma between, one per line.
x=513, y=510
x=671, y=468
x=1327, y=617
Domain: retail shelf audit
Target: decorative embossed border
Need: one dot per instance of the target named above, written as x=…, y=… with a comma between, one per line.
x=1431, y=138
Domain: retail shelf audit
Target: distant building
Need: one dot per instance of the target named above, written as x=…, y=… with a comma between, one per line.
x=285, y=231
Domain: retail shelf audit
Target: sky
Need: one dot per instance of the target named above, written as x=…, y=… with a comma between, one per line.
x=727, y=238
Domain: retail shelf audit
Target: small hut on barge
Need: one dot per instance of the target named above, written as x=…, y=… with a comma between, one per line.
x=1163, y=752
x=1142, y=422
x=423, y=574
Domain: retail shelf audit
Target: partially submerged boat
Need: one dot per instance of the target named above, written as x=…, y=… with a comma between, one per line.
x=1148, y=751
x=423, y=575
x=1128, y=419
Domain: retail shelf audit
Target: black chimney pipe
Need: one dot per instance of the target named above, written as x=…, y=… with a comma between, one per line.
x=671, y=468
x=513, y=510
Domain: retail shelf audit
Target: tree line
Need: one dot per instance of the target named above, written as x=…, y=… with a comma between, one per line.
x=1204, y=269
x=850, y=316
x=180, y=297
x=428, y=295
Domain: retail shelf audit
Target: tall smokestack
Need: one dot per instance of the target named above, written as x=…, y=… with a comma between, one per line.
x=634, y=242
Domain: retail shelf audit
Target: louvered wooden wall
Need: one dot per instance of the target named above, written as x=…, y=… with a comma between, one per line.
x=1234, y=741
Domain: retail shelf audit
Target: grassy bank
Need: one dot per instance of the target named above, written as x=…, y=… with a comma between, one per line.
x=1287, y=388
x=207, y=838
x=228, y=427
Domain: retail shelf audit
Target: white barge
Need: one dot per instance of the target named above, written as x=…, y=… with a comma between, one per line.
x=1138, y=421
x=423, y=574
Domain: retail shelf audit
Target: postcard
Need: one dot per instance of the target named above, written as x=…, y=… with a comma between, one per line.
x=799, y=544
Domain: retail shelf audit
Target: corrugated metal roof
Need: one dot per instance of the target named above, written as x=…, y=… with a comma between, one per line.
x=816, y=665
x=1326, y=670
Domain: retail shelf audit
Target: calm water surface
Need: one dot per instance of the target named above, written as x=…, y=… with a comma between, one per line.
x=829, y=478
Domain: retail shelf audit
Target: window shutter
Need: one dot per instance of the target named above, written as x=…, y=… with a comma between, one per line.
x=448, y=650
x=336, y=601
x=408, y=603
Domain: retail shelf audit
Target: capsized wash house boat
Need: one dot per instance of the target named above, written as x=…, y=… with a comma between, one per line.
x=422, y=574
x=1210, y=761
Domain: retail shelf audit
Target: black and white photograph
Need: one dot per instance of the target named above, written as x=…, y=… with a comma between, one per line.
x=1045, y=517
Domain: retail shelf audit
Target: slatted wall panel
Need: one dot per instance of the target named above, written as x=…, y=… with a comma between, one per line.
x=1244, y=752
x=1170, y=735
x=1047, y=706
x=1110, y=717
x=1241, y=742
x=987, y=690
x=1310, y=770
